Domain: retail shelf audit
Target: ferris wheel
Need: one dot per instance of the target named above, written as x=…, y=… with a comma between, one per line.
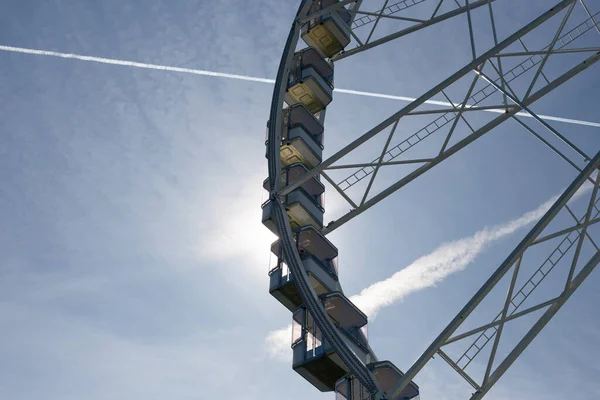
x=329, y=341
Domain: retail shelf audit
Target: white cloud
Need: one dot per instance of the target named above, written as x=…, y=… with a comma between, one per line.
x=278, y=343
x=432, y=268
x=426, y=271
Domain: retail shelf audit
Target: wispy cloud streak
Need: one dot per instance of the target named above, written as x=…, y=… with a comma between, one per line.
x=214, y=74
x=425, y=272
x=432, y=268
x=134, y=64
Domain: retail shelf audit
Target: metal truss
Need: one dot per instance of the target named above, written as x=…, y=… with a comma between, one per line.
x=368, y=17
x=389, y=12
x=571, y=239
x=496, y=85
x=486, y=86
x=533, y=60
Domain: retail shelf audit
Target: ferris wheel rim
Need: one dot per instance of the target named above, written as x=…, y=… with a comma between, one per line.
x=291, y=253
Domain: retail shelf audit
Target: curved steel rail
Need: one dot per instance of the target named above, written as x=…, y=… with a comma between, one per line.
x=291, y=255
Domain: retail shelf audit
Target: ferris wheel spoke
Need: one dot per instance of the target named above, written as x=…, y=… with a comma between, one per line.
x=458, y=369
x=587, y=10
x=475, y=66
x=459, y=112
x=550, y=47
x=565, y=51
x=337, y=189
x=377, y=21
x=499, y=70
x=504, y=86
x=437, y=8
x=535, y=116
x=482, y=94
x=497, y=107
x=583, y=233
x=470, y=23
x=461, y=144
x=369, y=17
x=546, y=142
x=488, y=331
x=414, y=28
x=516, y=298
x=379, y=16
x=537, y=328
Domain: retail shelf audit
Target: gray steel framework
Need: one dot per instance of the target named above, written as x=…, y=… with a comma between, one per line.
x=456, y=112
x=418, y=24
x=486, y=67
x=573, y=236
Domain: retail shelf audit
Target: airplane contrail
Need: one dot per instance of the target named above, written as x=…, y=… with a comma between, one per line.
x=426, y=271
x=193, y=71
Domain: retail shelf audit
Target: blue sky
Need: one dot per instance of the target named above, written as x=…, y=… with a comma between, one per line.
x=133, y=264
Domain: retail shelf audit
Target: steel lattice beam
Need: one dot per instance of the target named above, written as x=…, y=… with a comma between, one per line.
x=475, y=64
x=459, y=111
x=419, y=25
x=483, y=93
x=366, y=17
x=462, y=144
x=508, y=311
x=468, y=106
